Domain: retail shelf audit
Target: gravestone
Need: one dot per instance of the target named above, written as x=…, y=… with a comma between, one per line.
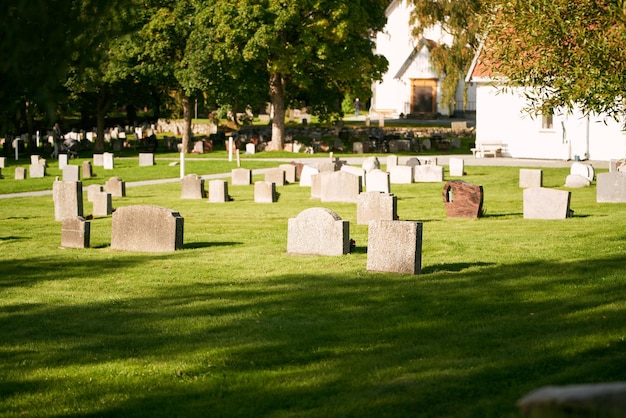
x=218, y=191
x=544, y=203
x=290, y=172
x=108, y=161
x=198, y=147
x=299, y=167
x=147, y=229
x=37, y=171
x=305, y=176
x=20, y=173
x=577, y=181
x=250, y=148
x=276, y=176
x=428, y=174
x=146, y=159
x=62, y=161
x=584, y=170
x=357, y=171
x=318, y=231
x=394, y=246
x=402, y=174
x=457, y=167
x=327, y=167
x=316, y=185
x=580, y=400
x=75, y=232
x=241, y=177
x=71, y=173
x=375, y=206
x=357, y=147
x=463, y=200
x=265, y=192
x=392, y=161
x=116, y=186
x=3, y=162
x=413, y=162
x=611, y=187
x=68, y=199
x=530, y=178
x=371, y=163
x=86, y=170
x=34, y=159
x=378, y=181
x=428, y=160
x=340, y=186
x=92, y=191
x=98, y=160
x=102, y=204
x=192, y=187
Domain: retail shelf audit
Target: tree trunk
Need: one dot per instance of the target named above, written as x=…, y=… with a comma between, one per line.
x=102, y=107
x=187, y=114
x=277, y=97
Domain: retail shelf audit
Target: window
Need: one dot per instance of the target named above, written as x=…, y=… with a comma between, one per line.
x=546, y=121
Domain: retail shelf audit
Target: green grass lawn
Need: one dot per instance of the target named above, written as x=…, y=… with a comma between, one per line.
x=233, y=326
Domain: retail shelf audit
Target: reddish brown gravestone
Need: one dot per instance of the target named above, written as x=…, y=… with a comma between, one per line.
x=463, y=200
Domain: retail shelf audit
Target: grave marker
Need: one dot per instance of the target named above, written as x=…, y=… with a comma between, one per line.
x=378, y=181
x=530, y=178
x=290, y=172
x=265, y=192
x=71, y=173
x=428, y=173
x=116, y=186
x=340, y=186
x=192, y=187
x=402, y=174
x=394, y=246
x=102, y=204
x=241, y=177
x=318, y=231
x=305, y=176
x=276, y=176
x=108, y=160
x=463, y=200
x=375, y=206
x=218, y=191
x=146, y=159
x=457, y=167
x=75, y=232
x=62, y=161
x=147, y=229
x=611, y=187
x=544, y=203
x=37, y=171
x=98, y=160
x=20, y=173
x=86, y=170
x=68, y=199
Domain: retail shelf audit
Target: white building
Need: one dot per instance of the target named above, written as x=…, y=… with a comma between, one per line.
x=411, y=86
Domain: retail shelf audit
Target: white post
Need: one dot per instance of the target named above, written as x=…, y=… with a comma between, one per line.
x=238, y=160
x=16, y=145
x=37, y=139
x=230, y=148
x=331, y=156
x=182, y=165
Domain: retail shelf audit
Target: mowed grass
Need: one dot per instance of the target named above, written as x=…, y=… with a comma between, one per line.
x=233, y=326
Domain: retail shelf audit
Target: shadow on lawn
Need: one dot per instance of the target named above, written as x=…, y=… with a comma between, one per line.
x=466, y=344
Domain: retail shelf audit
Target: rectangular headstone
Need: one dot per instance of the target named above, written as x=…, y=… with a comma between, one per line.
x=530, y=178
x=378, y=181
x=357, y=148
x=394, y=246
x=116, y=186
x=340, y=186
x=75, y=232
x=276, y=176
x=544, y=203
x=102, y=204
x=428, y=173
x=37, y=171
x=92, y=190
x=611, y=187
x=108, y=160
x=147, y=229
x=357, y=171
x=98, y=160
x=316, y=185
x=68, y=199
x=392, y=161
x=62, y=161
x=250, y=148
x=218, y=191
x=20, y=173
x=305, y=176
x=3, y=162
x=86, y=170
x=318, y=231
x=71, y=173
x=192, y=187
x=457, y=167
x=264, y=192
x=146, y=159
x=401, y=174
x=34, y=159
x=327, y=166
x=290, y=172
x=375, y=206
x=241, y=177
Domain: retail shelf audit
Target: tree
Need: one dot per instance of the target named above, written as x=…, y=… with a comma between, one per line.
x=466, y=21
x=569, y=53
x=317, y=48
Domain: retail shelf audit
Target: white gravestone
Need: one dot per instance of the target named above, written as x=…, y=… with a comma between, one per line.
x=218, y=191
x=241, y=177
x=264, y=192
x=544, y=203
x=378, y=181
x=530, y=178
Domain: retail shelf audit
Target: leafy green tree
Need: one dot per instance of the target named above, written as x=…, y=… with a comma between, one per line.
x=317, y=49
x=570, y=53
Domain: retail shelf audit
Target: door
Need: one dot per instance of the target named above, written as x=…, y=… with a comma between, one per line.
x=424, y=96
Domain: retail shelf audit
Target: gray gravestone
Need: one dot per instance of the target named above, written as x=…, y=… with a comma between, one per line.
x=412, y=162
x=530, y=178
x=276, y=176
x=305, y=175
x=264, y=192
x=340, y=186
x=20, y=173
x=318, y=231
x=86, y=170
x=290, y=172
x=147, y=229
x=428, y=173
x=71, y=173
x=108, y=160
x=611, y=187
x=146, y=159
x=116, y=186
x=218, y=191
x=401, y=174
x=68, y=199
x=75, y=232
x=192, y=187
x=241, y=177
x=457, y=167
x=544, y=203
x=378, y=181
x=394, y=246
x=375, y=206
x=102, y=204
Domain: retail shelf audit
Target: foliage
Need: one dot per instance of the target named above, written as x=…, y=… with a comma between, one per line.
x=569, y=53
x=232, y=326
